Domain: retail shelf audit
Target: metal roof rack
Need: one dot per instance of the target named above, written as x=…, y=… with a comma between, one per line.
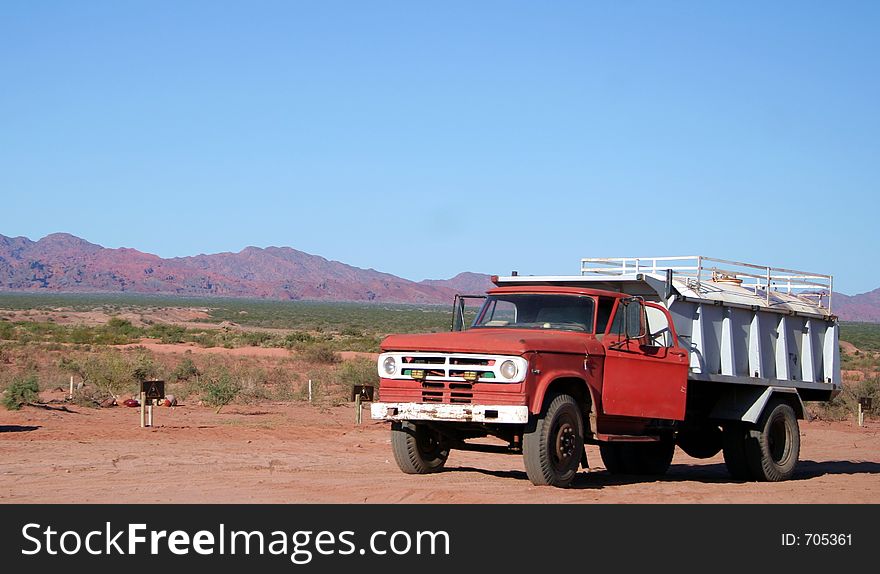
x=697, y=270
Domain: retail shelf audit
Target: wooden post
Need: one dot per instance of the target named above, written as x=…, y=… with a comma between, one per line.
x=150, y=414
x=143, y=409
x=70, y=394
x=861, y=415
x=310, y=390
x=357, y=409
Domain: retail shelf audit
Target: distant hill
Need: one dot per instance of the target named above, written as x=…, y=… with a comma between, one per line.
x=864, y=307
x=62, y=262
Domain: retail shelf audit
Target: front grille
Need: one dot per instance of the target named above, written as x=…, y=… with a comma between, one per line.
x=447, y=392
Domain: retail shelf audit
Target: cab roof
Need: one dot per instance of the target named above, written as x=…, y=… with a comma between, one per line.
x=555, y=290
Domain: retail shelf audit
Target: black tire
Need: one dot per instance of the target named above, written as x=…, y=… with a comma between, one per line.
x=702, y=442
x=772, y=455
x=417, y=448
x=734, y=437
x=642, y=458
x=554, y=443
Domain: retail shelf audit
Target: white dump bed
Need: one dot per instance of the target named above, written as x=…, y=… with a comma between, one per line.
x=743, y=323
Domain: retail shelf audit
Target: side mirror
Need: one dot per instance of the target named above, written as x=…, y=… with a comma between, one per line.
x=458, y=314
x=634, y=313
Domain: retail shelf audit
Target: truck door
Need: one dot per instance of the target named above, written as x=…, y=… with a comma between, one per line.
x=645, y=371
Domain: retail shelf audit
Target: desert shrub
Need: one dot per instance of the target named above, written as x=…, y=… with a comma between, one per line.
x=117, y=331
x=186, y=369
x=111, y=372
x=23, y=389
x=167, y=333
x=221, y=389
x=321, y=353
x=205, y=339
x=253, y=383
x=351, y=331
x=120, y=326
x=143, y=368
x=253, y=338
x=88, y=397
x=358, y=372
x=7, y=330
x=296, y=338
x=846, y=403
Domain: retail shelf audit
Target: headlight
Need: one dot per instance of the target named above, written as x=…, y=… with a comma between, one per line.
x=508, y=369
x=389, y=365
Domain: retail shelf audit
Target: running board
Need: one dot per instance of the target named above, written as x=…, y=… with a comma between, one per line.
x=599, y=437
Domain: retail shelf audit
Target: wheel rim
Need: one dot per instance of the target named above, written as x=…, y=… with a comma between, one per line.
x=565, y=444
x=427, y=443
x=779, y=440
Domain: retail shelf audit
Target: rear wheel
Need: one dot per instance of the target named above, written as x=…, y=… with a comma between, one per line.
x=773, y=454
x=644, y=458
x=553, y=445
x=417, y=448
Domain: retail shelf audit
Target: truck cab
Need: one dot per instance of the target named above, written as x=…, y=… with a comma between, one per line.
x=549, y=366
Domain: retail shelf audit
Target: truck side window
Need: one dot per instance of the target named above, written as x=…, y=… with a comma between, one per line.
x=658, y=328
x=603, y=314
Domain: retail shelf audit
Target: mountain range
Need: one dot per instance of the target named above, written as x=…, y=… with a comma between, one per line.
x=61, y=262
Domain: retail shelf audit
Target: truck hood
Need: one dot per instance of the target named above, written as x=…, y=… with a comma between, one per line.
x=494, y=341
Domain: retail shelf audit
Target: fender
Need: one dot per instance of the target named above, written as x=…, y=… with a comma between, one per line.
x=570, y=367
x=747, y=404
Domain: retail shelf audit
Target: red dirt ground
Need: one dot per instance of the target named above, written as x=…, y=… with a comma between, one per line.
x=293, y=452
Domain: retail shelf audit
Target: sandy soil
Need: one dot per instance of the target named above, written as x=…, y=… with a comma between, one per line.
x=299, y=453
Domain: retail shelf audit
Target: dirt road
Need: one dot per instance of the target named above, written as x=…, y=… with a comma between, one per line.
x=299, y=453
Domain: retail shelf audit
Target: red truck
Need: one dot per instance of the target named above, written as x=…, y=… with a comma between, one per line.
x=635, y=355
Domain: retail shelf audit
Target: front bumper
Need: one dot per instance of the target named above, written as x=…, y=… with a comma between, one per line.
x=505, y=414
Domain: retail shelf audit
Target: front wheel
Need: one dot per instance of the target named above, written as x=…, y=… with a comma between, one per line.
x=417, y=448
x=553, y=446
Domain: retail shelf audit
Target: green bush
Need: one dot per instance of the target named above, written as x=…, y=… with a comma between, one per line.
x=221, y=389
x=7, y=331
x=22, y=390
x=358, y=372
x=111, y=372
x=322, y=354
x=167, y=333
x=185, y=370
x=846, y=403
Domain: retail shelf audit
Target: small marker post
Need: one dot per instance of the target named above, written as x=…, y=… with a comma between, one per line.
x=150, y=391
x=359, y=394
x=865, y=404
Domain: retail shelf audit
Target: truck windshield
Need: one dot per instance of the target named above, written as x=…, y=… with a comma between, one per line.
x=537, y=311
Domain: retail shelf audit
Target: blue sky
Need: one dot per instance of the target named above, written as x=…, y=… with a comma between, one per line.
x=424, y=139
